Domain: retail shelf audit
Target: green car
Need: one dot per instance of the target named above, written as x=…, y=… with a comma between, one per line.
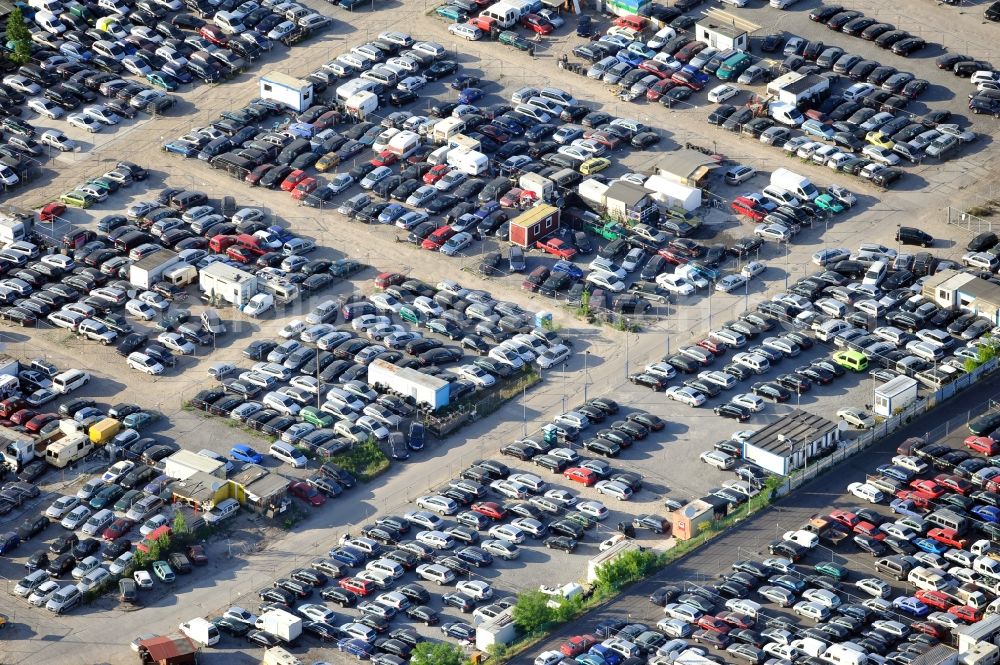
x=451, y=13
x=828, y=203
x=105, y=185
x=139, y=420
x=314, y=416
x=511, y=38
x=106, y=497
x=77, y=199
x=586, y=521
x=127, y=500
x=163, y=80
x=831, y=570
x=163, y=571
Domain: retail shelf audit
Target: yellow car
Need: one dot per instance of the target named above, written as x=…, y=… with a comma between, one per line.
x=77, y=199
x=328, y=161
x=594, y=165
x=879, y=139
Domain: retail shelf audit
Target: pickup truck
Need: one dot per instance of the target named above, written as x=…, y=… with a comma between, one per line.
x=556, y=247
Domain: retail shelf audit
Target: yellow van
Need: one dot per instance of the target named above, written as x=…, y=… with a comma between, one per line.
x=852, y=360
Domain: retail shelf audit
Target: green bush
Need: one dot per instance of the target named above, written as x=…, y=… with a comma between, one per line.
x=532, y=613
x=627, y=568
x=437, y=653
x=365, y=460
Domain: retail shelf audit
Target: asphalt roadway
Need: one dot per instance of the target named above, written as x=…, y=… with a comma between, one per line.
x=751, y=538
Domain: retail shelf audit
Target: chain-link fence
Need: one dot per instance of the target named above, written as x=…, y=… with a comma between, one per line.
x=968, y=221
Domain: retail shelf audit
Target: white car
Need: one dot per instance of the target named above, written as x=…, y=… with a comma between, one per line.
x=508, y=533
x=475, y=589
x=143, y=363
x=606, y=280
x=45, y=107
x=718, y=459
x=731, y=283
x=773, y=232
x=456, y=243
x=41, y=595
x=564, y=498
x=748, y=401
x=753, y=268
x=611, y=542
x=722, y=379
x=721, y=93
x=914, y=464
x=856, y=417
x=477, y=375
x=140, y=310
x=101, y=114
x=81, y=121
x=175, y=342
x=57, y=140
x=143, y=579
x=154, y=300
x=411, y=83
x=594, y=509
x=867, y=492
x=675, y=284
x=22, y=84
x=61, y=507
x=553, y=356
x=614, y=489
x=660, y=369
x=685, y=395
x=465, y=31
x=76, y=517
x=117, y=470
x=880, y=155
x=439, y=504
x=510, y=489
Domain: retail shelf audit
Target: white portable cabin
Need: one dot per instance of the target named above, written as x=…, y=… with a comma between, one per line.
x=286, y=90
x=673, y=194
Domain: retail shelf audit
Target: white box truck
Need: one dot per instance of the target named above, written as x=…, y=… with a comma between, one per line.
x=285, y=626
x=201, y=631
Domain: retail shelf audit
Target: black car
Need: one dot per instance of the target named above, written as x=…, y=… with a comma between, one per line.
x=734, y=411
x=32, y=526
x=772, y=391
x=564, y=543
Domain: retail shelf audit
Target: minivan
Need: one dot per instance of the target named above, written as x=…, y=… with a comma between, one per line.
x=222, y=510
x=852, y=360
x=947, y=519
x=897, y=566
x=289, y=454
x=64, y=599
x=908, y=235
x=558, y=96
x=69, y=381
x=927, y=580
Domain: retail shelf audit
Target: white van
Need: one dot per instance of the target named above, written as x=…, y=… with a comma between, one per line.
x=624, y=647
x=50, y=23
x=811, y=610
x=53, y=6
x=876, y=273
x=558, y=95
x=433, y=572
x=845, y=653
x=288, y=454
x=826, y=331
x=547, y=105
x=69, y=381
x=229, y=23
x=803, y=538
x=800, y=186
x=533, y=112
x=755, y=363
x=927, y=580
x=504, y=14
x=743, y=606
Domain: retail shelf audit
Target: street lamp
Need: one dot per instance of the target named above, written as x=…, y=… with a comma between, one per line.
x=586, y=374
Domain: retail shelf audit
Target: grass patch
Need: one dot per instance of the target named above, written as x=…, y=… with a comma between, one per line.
x=365, y=461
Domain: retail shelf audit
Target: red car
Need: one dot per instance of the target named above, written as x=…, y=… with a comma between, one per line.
x=954, y=483
x=660, y=88
x=253, y=178
x=717, y=348
x=690, y=50
x=307, y=493
x=537, y=24
x=491, y=509
x=948, y=537
x=39, y=421
x=439, y=237
x=577, y=645
x=927, y=488
x=982, y=444
x=387, y=279
x=23, y=416
x=360, y=587
x=385, y=158
x=928, y=628
x=118, y=528
x=966, y=613
x=741, y=621
x=293, y=178
x=214, y=34
x=870, y=530
x=709, y=622
x=436, y=173
x=304, y=187
x=586, y=477
x=51, y=211
x=656, y=68
x=557, y=247
x=937, y=599
x=241, y=254
x=846, y=518
x=10, y=406
x=673, y=256
x=918, y=500
x=607, y=139
x=741, y=205
x=220, y=243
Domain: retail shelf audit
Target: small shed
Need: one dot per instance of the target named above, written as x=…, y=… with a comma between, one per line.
x=533, y=225
x=221, y=281
x=690, y=517
x=201, y=491
x=267, y=493
x=185, y=463
x=893, y=395
x=497, y=630
x=630, y=203
x=169, y=650
x=722, y=36
x=294, y=93
x=672, y=194
x=789, y=442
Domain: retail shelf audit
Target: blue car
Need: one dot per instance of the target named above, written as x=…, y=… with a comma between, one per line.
x=610, y=657
x=487, y=209
x=391, y=213
x=896, y=472
x=930, y=545
x=987, y=513
x=571, y=269
x=904, y=507
x=629, y=57
x=911, y=606
x=180, y=148
x=347, y=555
x=241, y=452
x=357, y=648
x=469, y=95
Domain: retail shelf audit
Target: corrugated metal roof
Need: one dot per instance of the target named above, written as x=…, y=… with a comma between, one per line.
x=798, y=427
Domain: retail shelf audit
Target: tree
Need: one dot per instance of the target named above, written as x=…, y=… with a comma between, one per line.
x=437, y=653
x=532, y=613
x=180, y=527
x=19, y=35
x=627, y=568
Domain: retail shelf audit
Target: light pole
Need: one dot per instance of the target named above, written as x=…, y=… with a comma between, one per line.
x=586, y=373
x=628, y=325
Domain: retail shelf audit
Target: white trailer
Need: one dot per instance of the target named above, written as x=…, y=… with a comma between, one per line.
x=285, y=626
x=469, y=162
x=14, y=229
x=286, y=90
x=425, y=389
x=404, y=144
x=220, y=281
x=148, y=270
x=362, y=104
x=539, y=185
